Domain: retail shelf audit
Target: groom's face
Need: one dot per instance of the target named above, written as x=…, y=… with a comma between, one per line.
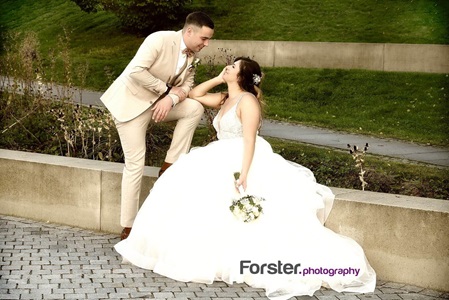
x=197, y=38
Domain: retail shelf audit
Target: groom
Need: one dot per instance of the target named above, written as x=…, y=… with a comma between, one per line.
x=153, y=88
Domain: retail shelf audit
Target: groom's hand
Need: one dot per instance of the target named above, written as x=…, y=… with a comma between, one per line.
x=161, y=109
x=178, y=92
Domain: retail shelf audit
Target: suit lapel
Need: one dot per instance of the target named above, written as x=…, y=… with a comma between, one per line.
x=180, y=77
x=176, y=44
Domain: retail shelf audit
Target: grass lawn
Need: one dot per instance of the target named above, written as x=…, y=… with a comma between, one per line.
x=366, y=21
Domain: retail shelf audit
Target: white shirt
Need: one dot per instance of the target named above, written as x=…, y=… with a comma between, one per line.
x=182, y=57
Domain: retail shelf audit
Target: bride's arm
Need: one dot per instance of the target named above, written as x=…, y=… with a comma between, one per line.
x=249, y=109
x=200, y=92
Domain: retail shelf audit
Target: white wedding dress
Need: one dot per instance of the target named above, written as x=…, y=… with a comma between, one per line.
x=186, y=231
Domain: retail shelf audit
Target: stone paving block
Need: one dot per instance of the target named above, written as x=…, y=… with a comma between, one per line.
x=157, y=285
x=186, y=295
x=49, y=286
x=176, y=284
x=327, y=297
x=19, y=291
x=348, y=297
x=139, y=295
x=231, y=288
x=34, y=280
x=247, y=294
x=431, y=293
x=368, y=297
x=206, y=294
x=63, y=291
x=158, y=278
x=125, y=290
x=119, y=295
x=152, y=278
x=327, y=292
x=227, y=294
x=138, y=275
x=377, y=291
x=414, y=296
x=388, y=290
x=306, y=298
x=70, y=285
x=75, y=296
x=100, y=295
x=393, y=285
x=248, y=289
x=389, y=297
x=412, y=288
x=86, y=290
x=31, y=297
x=173, y=289
x=107, y=290
x=112, y=285
x=158, y=295
x=212, y=289
x=9, y=297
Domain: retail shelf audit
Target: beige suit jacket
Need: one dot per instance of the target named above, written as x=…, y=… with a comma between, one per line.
x=144, y=80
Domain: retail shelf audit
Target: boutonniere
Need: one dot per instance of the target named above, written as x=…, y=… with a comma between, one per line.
x=194, y=64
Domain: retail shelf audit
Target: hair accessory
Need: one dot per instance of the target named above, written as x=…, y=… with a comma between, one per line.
x=256, y=79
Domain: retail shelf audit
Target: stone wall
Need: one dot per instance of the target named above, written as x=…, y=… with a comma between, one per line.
x=405, y=238
x=370, y=56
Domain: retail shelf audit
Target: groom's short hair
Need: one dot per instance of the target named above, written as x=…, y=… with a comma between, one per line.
x=199, y=19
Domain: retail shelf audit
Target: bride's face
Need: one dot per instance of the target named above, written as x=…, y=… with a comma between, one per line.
x=231, y=72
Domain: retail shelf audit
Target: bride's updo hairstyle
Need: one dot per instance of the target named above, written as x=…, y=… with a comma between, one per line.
x=250, y=76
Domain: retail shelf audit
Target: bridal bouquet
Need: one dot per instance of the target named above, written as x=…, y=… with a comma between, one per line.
x=247, y=208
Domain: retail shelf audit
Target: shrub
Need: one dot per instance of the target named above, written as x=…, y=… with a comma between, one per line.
x=144, y=16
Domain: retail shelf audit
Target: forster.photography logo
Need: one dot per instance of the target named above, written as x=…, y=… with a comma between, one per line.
x=276, y=268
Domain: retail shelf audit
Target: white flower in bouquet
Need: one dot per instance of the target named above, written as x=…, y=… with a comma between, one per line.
x=248, y=207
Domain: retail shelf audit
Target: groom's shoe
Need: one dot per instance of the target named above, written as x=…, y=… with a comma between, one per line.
x=164, y=167
x=125, y=233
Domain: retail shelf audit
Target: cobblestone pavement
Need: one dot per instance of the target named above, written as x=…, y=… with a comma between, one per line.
x=48, y=261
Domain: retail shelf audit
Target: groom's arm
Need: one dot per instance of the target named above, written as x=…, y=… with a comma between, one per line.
x=138, y=69
x=185, y=87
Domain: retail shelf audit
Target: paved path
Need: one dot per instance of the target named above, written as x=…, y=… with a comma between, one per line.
x=334, y=139
x=48, y=261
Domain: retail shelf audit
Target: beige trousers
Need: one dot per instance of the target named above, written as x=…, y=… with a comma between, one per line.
x=132, y=137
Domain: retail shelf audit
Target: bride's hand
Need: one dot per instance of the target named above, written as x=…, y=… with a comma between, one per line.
x=241, y=182
x=220, y=76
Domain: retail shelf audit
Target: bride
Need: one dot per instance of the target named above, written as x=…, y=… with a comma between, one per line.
x=186, y=230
